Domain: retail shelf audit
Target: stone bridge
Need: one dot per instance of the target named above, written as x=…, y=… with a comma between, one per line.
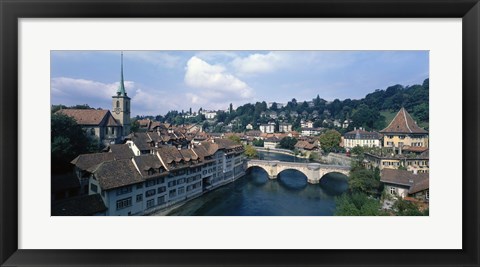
x=313, y=171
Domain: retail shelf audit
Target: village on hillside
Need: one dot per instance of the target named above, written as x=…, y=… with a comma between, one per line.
x=145, y=164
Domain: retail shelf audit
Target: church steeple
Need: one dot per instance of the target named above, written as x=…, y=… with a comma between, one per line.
x=121, y=87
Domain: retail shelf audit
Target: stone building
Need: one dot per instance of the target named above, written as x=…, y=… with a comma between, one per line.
x=97, y=124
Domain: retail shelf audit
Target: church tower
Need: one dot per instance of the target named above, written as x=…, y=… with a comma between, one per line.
x=121, y=105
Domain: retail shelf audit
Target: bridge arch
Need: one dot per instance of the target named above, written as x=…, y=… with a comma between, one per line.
x=292, y=179
x=323, y=173
x=313, y=171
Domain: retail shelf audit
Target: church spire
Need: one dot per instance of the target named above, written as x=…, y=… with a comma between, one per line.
x=121, y=87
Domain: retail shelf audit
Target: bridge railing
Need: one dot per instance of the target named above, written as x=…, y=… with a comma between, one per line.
x=294, y=164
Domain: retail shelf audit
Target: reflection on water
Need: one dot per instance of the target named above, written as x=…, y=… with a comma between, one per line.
x=256, y=195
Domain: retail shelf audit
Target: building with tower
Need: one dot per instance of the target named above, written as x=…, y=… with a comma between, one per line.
x=105, y=126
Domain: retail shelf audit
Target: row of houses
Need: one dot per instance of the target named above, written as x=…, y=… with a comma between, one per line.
x=128, y=183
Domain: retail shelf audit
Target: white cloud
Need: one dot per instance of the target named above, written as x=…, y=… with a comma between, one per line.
x=214, y=86
x=68, y=91
x=260, y=63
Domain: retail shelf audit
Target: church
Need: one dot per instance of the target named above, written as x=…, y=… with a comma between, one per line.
x=105, y=126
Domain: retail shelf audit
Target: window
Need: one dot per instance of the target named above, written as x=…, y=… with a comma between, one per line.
x=150, y=192
x=124, y=190
x=172, y=183
x=150, y=183
x=161, y=200
x=124, y=203
x=118, y=104
x=172, y=193
x=162, y=189
x=181, y=190
x=393, y=190
x=92, y=131
x=94, y=188
x=150, y=203
x=139, y=186
x=126, y=106
x=139, y=197
x=181, y=181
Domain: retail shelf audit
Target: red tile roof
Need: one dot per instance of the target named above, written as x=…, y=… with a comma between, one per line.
x=87, y=161
x=90, y=116
x=117, y=173
x=403, y=123
x=405, y=178
x=417, y=149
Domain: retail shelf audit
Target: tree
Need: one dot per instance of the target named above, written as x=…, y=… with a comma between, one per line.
x=258, y=142
x=56, y=108
x=274, y=106
x=357, y=204
x=358, y=150
x=364, y=181
x=135, y=126
x=221, y=116
x=407, y=208
x=288, y=142
x=250, y=151
x=235, y=138
x=330, y=141
x=68, y=141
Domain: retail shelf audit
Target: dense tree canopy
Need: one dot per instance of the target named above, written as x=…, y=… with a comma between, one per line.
x=288, y=142
x=330, y=141
x=357, y=204
x=68, y=141
x=250, y=151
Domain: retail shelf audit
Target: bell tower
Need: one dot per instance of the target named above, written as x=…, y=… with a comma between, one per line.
x=121, y=104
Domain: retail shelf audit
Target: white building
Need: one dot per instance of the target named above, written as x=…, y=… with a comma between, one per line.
x=271, y=142
x=209, y=114
x=360, y=137
x=311, y=131
x=249, y=127
x=267, y=128
x=285, y=127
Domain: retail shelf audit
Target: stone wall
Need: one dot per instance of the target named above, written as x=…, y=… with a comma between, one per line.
x=337, y=159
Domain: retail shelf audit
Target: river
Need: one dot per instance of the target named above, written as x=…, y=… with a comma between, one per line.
x=256, y=195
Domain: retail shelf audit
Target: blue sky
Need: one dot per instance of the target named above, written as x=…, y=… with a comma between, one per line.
x=159, y=81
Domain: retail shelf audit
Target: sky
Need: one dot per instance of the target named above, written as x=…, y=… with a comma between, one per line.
x=160, y=81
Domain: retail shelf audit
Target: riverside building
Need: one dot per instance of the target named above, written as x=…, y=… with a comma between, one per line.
x=148, y=183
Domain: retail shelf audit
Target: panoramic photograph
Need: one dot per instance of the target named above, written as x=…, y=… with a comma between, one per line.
x=239, y=133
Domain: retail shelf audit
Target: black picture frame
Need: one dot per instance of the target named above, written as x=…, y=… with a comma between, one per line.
x=11, y=11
